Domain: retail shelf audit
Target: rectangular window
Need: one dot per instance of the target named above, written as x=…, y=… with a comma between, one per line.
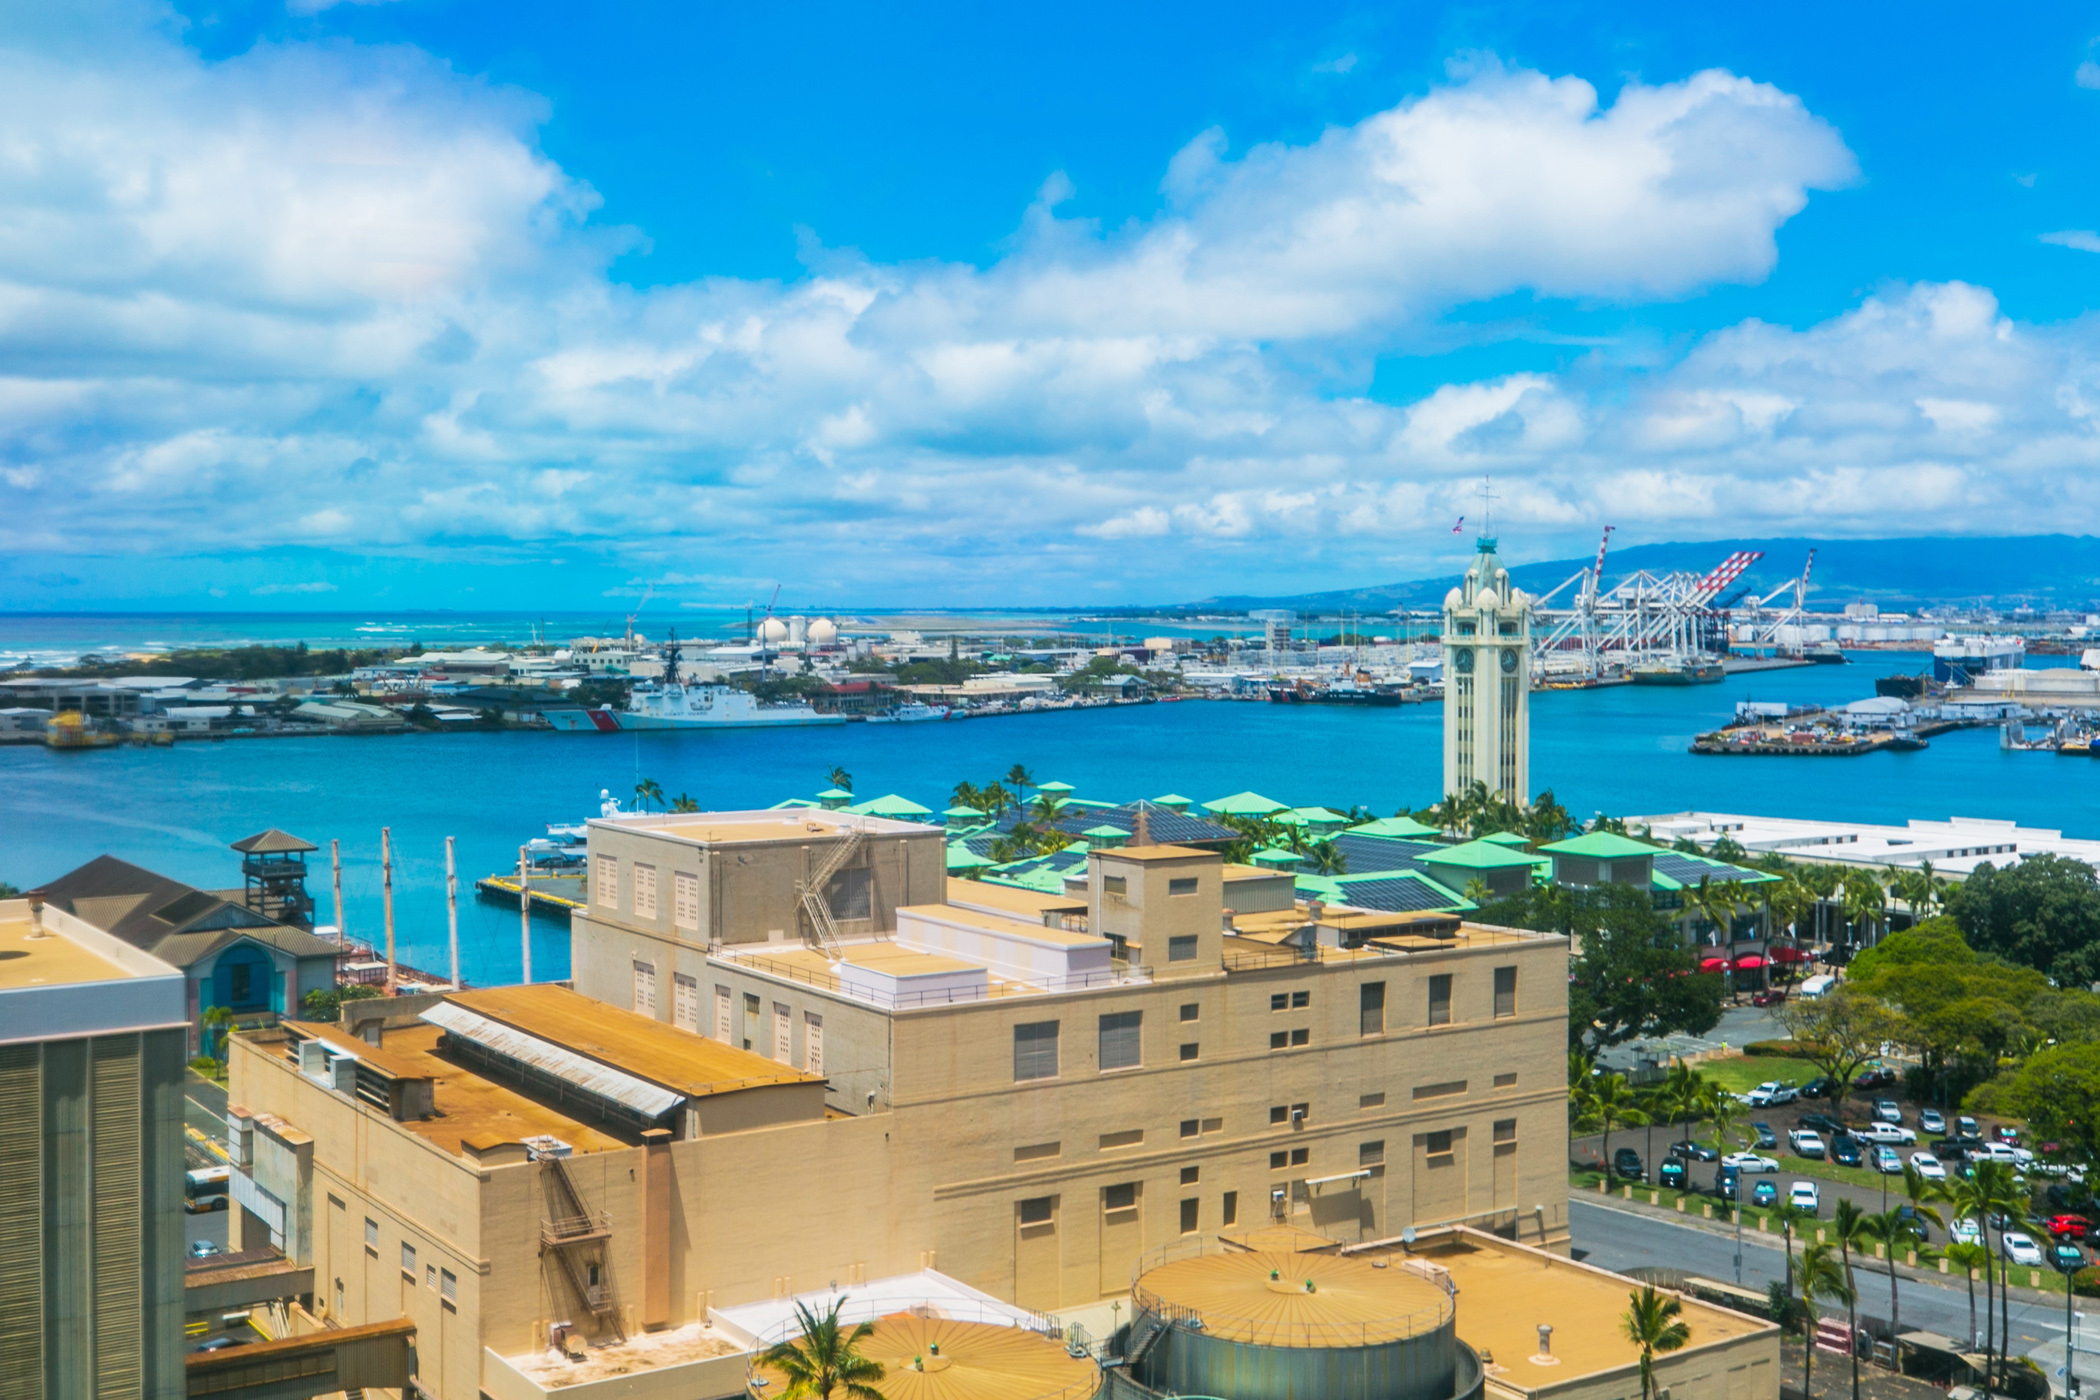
x=1230, y=1214
x=1182, y=949
x=685, y=900
x=1506, y=1081
x=1113, y=885
x=448, y=1286
x=1280, y=1001
x=644, y=891
x=1437, y=1144
x=751, y=1007
x=851, y=894
x=1440, y=999
x=1301, y=1036
x=813, y=1042
x=1181, y=886
x=645, y=989
x=1370, y=1101
x=1300, y=1156
x=1505, y=1130
x=1279, y=1113
x=1129, y=1137
x=1370, y=1154
x=605, y=882
x=1123, y=1197
x=783, y=1033
x=1035, y=1051
x=1038, y=1151
x=1037, y=1210
x=1190, y=1010
x=430, y=1277
x=685, y=1003
x=371, y=1234
x=1505, y=991
x=1189, y=1208
x=1300, y=1000
x=1122, y=1040
x=1189, y=1049
x=1279, y=1040
x=723, y=1030
x=408, y=1259
x=1370, y=1013
x=1191, y=1175
x=1440, y=1091
x=1191, y=1127
x=1279, y=1160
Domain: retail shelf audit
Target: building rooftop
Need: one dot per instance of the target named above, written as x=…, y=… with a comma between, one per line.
x=1278, y=1298
x=734, y=828
x=1481, y=855
x=1507, y=1290
x=75, y=980
x=1602, y=845
x=49, y=961
x=1955, y=846
x=175, y=922
x=638, y=1045
x=1004, y=925
x=1159, y=853
x=1012, y=899
x=938, y=1358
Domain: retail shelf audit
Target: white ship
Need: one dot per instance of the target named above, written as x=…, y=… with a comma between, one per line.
x=911, y=713
x=711, y=705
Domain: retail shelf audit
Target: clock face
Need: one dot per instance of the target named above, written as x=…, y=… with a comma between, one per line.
x=1464, y=660
x=1509, y=661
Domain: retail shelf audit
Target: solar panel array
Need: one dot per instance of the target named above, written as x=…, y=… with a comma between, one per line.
x=1401, y=894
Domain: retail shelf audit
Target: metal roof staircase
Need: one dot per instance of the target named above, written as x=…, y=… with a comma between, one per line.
x=573, y=1230
x=812, y=890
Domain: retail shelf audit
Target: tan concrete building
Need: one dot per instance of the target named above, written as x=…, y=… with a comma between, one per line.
x=747, y=1095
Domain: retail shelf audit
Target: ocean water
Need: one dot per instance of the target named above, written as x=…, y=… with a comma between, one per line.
x=1620, y=750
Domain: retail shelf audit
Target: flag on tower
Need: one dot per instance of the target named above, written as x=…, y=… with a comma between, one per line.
x=1460, y=527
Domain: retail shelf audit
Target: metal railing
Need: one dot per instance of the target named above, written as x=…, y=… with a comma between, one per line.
x=939, y=996
x=1260, y=1329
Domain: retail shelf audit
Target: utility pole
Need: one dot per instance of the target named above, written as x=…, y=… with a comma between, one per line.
x=524, y=913
x=386, y=867
x=452, y=910
x=335, y=859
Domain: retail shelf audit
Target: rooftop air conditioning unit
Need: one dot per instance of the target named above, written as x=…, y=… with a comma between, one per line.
x=547, y=1145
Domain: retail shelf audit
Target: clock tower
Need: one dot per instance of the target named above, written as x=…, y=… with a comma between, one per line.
x=1487, y=682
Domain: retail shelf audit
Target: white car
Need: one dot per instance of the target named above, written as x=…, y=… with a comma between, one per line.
x=1887, y=1132
x=2021, y=1249
x=1992, y=1152
x=1928, y=1166
x=1887, y=1111
x=1771, y=1092
x=1887, y=1162
x=1965, y=1231
x=1805, y=1143
x=1804, y=1195
x=1748, y=1162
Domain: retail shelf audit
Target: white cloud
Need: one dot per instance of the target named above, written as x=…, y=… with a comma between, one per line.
x=2083, y=239
x=2088, y=74
x=1145, y=520
x=269, y=589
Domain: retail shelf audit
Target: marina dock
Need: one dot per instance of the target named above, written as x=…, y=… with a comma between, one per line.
x=553, y=894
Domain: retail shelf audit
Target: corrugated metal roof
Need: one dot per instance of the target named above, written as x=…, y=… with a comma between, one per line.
x=640, y=1095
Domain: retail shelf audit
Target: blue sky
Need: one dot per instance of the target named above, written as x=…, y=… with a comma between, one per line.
x=527, y=305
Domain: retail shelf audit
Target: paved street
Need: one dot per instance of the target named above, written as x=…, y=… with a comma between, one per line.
x=1619, y=1239
x=204, y=1145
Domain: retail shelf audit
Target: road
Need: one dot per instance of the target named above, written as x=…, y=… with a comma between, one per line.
x=1620, y=1240
x=204, y=1145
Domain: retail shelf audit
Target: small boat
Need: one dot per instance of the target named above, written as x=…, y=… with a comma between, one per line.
x=1825, y=654
x=913, y=712
x=1903, y=687
x=1683, y=673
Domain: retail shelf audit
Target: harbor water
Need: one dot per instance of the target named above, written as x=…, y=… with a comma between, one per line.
x=1619, y=750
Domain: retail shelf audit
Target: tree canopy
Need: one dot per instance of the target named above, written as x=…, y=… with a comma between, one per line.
x=2058, y=1093
x=2043, y=913
x=1634, y=975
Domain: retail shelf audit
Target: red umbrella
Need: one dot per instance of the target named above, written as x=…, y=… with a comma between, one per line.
x=1749, y=962
x=1712, y=964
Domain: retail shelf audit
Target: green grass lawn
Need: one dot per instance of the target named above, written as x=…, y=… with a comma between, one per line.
x=1741, y=1074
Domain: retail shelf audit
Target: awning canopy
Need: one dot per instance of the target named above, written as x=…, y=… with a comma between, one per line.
x=1749, y=962
x=603, y=1081
x=1712, y=964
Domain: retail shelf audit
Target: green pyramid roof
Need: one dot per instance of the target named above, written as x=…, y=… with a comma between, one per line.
x=1104, y=830
x=1507, y=838
x=1406, y=827
x=1244, y=804
x=890, y=805
x=1481, y=855
x=961, y=857
x=833, y=792
x=1602, y=845
x=1275, y=856
x=1054, y=787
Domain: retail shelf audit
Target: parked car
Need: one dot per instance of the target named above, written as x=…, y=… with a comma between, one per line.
x=1928, y=1166
x=202, y=1249
x=1821, y=1087
x=1844, y=1150
x=1627, y=1163
x=1728, y=1184
x=1887, y=1162
x=1820, y=1122
x=1965, y=1126
x=1878, y=1077
x=1888, y=1111
x=1965, y=1231
x=1765, y=1193
x=2070, y=1227
x=1770, y=1094
x=1774, y=997
x=1692, y=1152
x=1887, y=1132
x=2066, y=1258
x=222, y=1343
x=1765, y=1136
x=1992, y=1152
x=2008, y=1133
x=1804, y=1195
x=1670, y=1174
x=1948, y=1149
x=2021, y=1249
x=1912, y=1221
x=1805, y=1143
x=1749, y=1163
x=1931, y=1120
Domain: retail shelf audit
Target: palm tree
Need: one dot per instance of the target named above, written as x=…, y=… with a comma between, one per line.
x=218, y=1030
x=1920, y=1192
x=1969, y=1258
x=1326, y=858
x=1721, y=1109
x=1850, y=1224
x=1477, y=891
x=646, y=791
x=1821, y=1277
x=1020, y=780
x=966, y=795
x=841, y=779
x=1048, y=808
x=825, y=1360
x=684, y=803
x=1613, y=1103
x=1652, y=1324
x=1788, y=1215
x=993, y=798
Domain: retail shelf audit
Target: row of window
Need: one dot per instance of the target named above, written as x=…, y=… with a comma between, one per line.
x=439, y=1281
x=1121, y=1043
x=685, y=1014
x=685, y=891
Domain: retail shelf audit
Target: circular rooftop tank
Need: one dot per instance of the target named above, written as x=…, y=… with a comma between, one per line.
x=823, y=632
x=1268, y=1325
x=946, y=1358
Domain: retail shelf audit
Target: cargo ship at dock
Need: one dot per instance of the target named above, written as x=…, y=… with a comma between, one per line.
x=1695, y=671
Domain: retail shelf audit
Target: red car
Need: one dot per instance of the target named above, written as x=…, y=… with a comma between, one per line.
x=2070, y=1227
x=1771, y=998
